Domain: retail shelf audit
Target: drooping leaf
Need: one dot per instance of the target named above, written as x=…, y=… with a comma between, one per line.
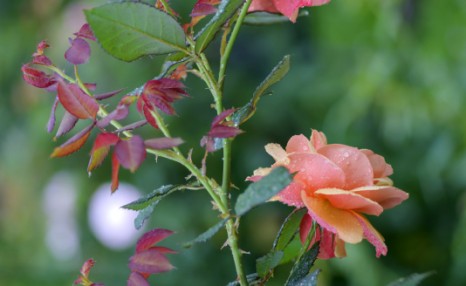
x=221, y=131
x=268, y=262
x=203, y=237
x=51, y=121
x=225, y=11
x=131, y=152
x=301, y=269
x=100, y=150
x=152, y=237
x=76, y=102
x=163, y=143
x=412, y=280
x=115, y=171
x=73, y=144
x=67, y=123
x=132, y=126
x=278, y=72
x=106, y=95
x=146, y=110
x=263, y=190
x=120, y=112
x=144, y=214
x=79, y=52
x=288, y=230
x=37, y=77
x=151, y=198
x=149, y=261
x=222, y=116
x=264, y=18
x=131, y=30
x=136, y=279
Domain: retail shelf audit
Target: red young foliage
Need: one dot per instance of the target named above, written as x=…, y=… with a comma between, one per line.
x=37, y=77
x=85, y=32
x=152, y=237
x=163, y=143
x=131, y=152
x=79, y=52
x=66, y=124
x=76, y=101
x=220, y=128
x=115, y=171
x=100, y=150
x=73, y=144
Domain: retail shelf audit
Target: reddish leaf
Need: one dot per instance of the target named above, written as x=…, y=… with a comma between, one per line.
x=221, y=131
x=87, y=266
x=201, y=9
x=41, y=48
x=132, y=126
x=147, y=114
x=131, y=153
x=118, y=114
x=76, y=102
x=41, y=60
x=66, y=124
x=164, y=250
x=160, y=103
x=149, y=261
x=136, y=279
x=79, y=52
x=100, y=150
x=85, y=32
x=36, y=77
x=73, y=144
x=107, y=94
x=163, y=143
x=115, y=170
x=51, y=122
x=222, y=116
x=152, y=237
x=90, y=86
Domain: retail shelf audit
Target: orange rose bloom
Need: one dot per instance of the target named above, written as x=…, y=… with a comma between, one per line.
x=338, y=185
x=289, y=8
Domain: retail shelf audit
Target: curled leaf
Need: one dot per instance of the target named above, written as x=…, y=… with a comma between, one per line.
x=67, y=123
x=51, y=121
x=79, y=52
x=37, y=77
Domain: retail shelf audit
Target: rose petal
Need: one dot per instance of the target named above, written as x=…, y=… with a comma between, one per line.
x=291, y=195
x=317, y=140
x=380, y=167
x=327, y=245
x=346, y=200
x=357, y=168
x=277, y=152
x=341, y=222
x=298, y=144
x=316, y=172
x=387, y=197
x=373, y=236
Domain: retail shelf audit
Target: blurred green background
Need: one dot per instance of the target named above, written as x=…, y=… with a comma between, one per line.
x=384, y=75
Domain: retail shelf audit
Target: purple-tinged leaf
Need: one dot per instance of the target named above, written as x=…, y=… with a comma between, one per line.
x=73, y=144
x=136, y=279
x=87, y=266
x=76, y=102
x=221, y=131
x=115, y=171
x=51, y=122
x=152, y=237
x=163, y=143
x=163, y=249
x=66, y=124
x=131, y=152
x=85, y=32
x=106, y=95
x=37, y=77
x=41, y=60
x=222, y=116
x=100, y=150
x=149, y=261
x=203, y=9
x=132, y=126
x=79, y=52
x=90, y=86
x=118, y=114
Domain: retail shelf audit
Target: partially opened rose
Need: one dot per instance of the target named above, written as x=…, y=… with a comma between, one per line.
x=338, y=185
x=289, y=8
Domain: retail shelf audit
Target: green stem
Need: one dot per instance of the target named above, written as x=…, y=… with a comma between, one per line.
x=231, y=41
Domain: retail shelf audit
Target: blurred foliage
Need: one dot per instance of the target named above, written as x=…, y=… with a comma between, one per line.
x=384, y=75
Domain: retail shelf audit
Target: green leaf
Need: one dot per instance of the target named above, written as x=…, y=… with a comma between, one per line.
x=131, y=30
x=288, y=230
x=278, y=72
x=268, y=262
x=309, y=280
x=147, y=204
x=253, y=279
x=264, y=18
x=225, y=11
x=411, y=280
x=263, y=190
x=301, y=269
x=203, y=237
x=148, y=199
